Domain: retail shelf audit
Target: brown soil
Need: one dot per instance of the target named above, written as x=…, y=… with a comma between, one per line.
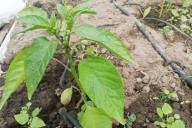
x=142, y=81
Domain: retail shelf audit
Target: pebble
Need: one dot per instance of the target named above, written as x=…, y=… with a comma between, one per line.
x=139, y=80
x=103, y=50
x=146, y=89
x=173, y=85
x=146, y=79
x=170, y=35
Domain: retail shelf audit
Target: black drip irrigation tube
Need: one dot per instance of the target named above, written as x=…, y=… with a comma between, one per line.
x=155, y=44
x=63, y=112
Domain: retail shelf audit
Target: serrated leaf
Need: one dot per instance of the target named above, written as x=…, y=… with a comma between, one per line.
x=14, y=76
x=22, y=118
x=106, y=39
x=146, y=12
x=37, y=123
x=102, y=83
x=36, y=112
x=66, y=96
x=160, y=112
x=167, y=109
x=40, y=53
x=95, y=118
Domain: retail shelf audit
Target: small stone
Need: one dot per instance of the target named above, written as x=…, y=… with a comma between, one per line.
x=146, y=89
x=103, y=50
x=170, y=35
x=139, y=80
x=138, y=87
x=173, y=85
x=146, y=79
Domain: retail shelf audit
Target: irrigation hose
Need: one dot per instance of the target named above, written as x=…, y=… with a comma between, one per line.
x=155, y=44
x=63, y=112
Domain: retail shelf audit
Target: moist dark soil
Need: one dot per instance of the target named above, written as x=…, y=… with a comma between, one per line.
x=145, y=108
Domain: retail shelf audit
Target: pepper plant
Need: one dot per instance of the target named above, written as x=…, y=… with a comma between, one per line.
x=95, y=75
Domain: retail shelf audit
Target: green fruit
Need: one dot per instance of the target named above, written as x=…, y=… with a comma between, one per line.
x=66, y=96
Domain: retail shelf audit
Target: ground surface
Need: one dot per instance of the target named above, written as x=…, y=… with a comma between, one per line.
x=142, y=80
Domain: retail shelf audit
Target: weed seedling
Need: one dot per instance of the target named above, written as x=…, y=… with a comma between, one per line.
x=130, y=120
x=31, y=120
x=165, y=118
x=167, y=96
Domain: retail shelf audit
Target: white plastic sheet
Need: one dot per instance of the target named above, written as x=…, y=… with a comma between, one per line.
x=8, y=9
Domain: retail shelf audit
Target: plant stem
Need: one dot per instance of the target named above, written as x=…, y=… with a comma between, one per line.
x=71, y=61
x=62, y=64
x=162, y=8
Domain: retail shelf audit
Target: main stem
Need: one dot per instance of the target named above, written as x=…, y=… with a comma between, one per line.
x=71, y=61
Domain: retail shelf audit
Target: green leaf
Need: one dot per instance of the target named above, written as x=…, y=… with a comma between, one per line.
x=37, y=123
x=36, y=112
x=67, y=14
x=177, y=116
x=22, y=118
x=29, y=11
x=84, y=8
x=35, y=20
x=40, y=53
x=33, y=27
x=95, y=118
x=106, y=39
x=175, y=12
x=160, y=112
x=14, y=76
x=166, y=91
x=53, y=20
x=178, y=124
x=66, y=96
x=62, y=11
x=170, y=120
x=162, y=124
x=103, y=84
x=34, y=16
x=167, y=109
x=146, y=12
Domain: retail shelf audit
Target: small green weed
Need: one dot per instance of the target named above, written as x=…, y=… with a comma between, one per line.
x=130, y=120
x=167, y=96
x=165, y=118
x=31, y=120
